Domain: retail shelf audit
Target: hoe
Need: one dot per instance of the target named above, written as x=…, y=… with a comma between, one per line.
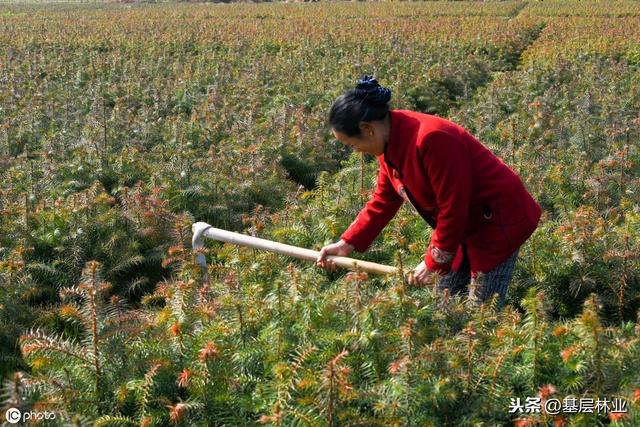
x=202, y=230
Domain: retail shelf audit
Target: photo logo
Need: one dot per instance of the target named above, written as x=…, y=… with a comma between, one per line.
x=13, y=415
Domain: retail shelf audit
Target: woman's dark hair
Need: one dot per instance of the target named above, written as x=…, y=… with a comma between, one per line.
x=367, y=102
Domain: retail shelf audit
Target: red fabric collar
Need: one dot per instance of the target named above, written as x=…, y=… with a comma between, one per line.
x=402, y=133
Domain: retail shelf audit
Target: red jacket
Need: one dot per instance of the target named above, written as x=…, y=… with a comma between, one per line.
x=466, y=193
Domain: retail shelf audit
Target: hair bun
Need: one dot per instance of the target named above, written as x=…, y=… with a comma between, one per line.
x=372, y=91
x=367, y=83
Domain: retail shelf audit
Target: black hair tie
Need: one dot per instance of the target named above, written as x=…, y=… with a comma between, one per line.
x=374, y=93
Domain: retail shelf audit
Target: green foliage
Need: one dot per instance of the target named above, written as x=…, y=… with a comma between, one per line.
x=113, y=142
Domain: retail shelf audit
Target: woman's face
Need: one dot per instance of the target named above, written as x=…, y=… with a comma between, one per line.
x=365, y=142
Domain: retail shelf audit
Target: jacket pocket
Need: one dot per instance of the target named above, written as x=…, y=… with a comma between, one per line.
x=513, y=222
x=490, y=233
x=506, y=215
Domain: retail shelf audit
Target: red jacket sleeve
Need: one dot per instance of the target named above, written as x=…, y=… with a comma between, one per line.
x=376, y=214
x=447, y=161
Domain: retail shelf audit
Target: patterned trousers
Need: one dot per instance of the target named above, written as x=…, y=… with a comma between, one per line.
x=482, y=285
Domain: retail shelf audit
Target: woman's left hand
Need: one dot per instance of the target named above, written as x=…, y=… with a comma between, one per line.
x=420, y=276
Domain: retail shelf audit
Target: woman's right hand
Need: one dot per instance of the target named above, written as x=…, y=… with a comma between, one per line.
x=340, y=248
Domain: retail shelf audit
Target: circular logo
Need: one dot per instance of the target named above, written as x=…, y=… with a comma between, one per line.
x=13, y=415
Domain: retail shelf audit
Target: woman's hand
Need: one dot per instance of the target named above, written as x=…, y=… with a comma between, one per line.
x=420, y=276
x=340, y=248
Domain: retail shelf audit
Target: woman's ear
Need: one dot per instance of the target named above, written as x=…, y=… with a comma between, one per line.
x=367, y=129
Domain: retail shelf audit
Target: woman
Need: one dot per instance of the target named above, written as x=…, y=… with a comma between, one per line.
x=480, y=210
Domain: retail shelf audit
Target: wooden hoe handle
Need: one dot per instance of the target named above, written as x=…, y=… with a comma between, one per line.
x=202, y=229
